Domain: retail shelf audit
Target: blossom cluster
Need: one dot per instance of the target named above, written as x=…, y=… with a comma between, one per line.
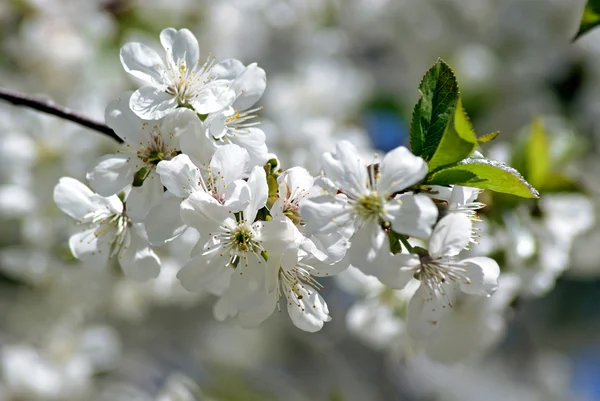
x=194, y=158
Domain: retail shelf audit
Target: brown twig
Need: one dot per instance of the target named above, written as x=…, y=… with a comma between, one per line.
x=48, y=106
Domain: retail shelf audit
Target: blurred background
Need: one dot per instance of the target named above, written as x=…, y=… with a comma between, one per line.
x=336, y=69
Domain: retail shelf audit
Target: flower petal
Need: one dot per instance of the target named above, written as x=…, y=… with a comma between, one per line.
x=367, y=243
x=163, y=222
x=259, y=191
x=396, y=271
x=326, y=213
x=214, y=97
x=179, y=175
x=86, y=245
x=450, y=235
x=237, y=195
x=111, y=174
x=141, y=199
x=228, y=69
x=137, y=259
x=203, y=212
x=412, y=215
x=180, y=45
x=424, y=313
x=142, y=62
x=253, y=140
x=308, y=311
x=74, y=198
x=229, y=163
x=127, y=125
x=483, y=274
x=150, y=103
x=399, y=170
x=346, y=169
x=249, y=87
x=201, y=270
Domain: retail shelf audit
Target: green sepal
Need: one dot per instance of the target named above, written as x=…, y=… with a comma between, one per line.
x=140, y=176
x=395, y=244
x=458, y=141
x=439, y=94
x=485, y=174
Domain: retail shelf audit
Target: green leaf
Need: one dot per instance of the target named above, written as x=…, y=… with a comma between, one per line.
x=590, y=18
x=537, y=155
x=458, y=142
x=439, y=94
x=485, y=174
x=488, y=137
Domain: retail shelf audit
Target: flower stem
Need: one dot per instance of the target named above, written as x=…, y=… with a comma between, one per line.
x=405, y=242
x=48, y=106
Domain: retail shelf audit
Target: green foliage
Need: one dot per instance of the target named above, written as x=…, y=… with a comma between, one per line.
x=485, y=174
x=537, y=155
x=458, y=141
x=488, y=137
x=590, y=18
x=433, y=111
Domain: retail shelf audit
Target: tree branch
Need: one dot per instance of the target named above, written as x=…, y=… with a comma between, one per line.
x=48, y=106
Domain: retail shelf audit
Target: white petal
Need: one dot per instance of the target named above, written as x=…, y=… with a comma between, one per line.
x=203, y=212
x=412, y=215
x=141, y=199
x=367, y=243
x=179, y=175
x=276, y=236
x=483, y=276
x=196, y=144
x=257, y=309
x=163, y=222
x=112, y=174
x=74, y=198
x=310, y=312
x=182, y=45
x=150, y=103
x=450, y=235
x=463, y=195
x=142, y=62
x=326, y=213
x=201, y=270
x=331, y=247
x=346, y=169
x=123, y=121
x=259, y=191
x=253, y=140
x=424, y=313
x=86, y=245
x=138, y=260
x=249, y=87
x=229, y=163
x=399, y=170
x=214, y=97
x=228, y=69
x=297, y=180
x=396, y=271
x=237, y=195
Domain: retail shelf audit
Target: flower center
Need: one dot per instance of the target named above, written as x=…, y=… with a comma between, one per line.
x=434, y=273
x=156, y=150
x=188, y=81
x=243, y=240
x=369, y=206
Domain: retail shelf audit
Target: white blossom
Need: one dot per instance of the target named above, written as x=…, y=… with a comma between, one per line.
x=108, y=232
x=179, y=79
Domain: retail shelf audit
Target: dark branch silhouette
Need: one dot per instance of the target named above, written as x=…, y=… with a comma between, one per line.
x=48, y=106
